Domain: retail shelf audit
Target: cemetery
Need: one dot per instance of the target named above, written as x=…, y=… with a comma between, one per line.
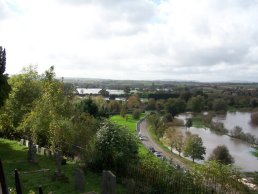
x=28, y=168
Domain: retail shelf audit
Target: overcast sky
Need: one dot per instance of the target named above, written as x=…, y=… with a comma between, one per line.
x=202, y=40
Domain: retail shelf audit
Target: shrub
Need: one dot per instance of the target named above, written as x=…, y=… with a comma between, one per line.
x=136, y=114
x=254, y=118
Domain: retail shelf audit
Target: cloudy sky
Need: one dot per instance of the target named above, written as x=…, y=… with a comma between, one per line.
x=203, y=40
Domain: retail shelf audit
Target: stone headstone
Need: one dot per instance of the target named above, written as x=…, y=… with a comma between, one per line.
x=42, y=151
x=130, y=186
x=58, y=160
x=79, y=179
x=48, y=153
x=27, y=142
x=22, y=142
x=34, y=154
x=108, y=182
x=37, y=149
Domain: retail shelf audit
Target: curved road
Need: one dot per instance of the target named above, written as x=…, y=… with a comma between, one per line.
x=149, y=142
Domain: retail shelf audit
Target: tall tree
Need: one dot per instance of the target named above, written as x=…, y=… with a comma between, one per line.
x=221, y=154
x=196, y=104
x=4, y=86
x=194, y=147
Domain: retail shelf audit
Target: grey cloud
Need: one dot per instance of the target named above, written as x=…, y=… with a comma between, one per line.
x=136, y=11
x=3, y=10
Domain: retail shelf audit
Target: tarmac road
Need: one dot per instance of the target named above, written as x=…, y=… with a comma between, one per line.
x=149, y=142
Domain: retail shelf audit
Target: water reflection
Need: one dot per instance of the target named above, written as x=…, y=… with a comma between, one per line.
x=238, y=149
x=241, y=119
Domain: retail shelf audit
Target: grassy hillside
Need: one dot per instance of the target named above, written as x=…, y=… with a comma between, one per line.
x=14, y=156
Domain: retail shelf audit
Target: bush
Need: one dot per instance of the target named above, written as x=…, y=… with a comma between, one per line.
x=136, y=114
x=115, y=148
x=221, y=154
x=254, y=118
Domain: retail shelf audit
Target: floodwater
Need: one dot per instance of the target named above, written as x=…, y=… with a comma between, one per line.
x=240, y=150
x=241, y=119
x=96, y=91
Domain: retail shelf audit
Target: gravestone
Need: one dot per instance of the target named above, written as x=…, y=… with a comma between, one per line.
x=42, y=151
x=79, y=180
x=59, y=175
x=130, y=186
x=27, y=142
x=48, y=153
x=37, y=149
x=22, y=142
x=32, y=153
x=108, y=182
x=58, y=160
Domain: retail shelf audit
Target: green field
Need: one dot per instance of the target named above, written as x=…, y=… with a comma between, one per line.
x=131, y=124
x=14, y=156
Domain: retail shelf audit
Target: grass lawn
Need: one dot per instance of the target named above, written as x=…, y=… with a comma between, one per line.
x=143, y=151
x=198, y=122
x=14, y=156
x=131, y=124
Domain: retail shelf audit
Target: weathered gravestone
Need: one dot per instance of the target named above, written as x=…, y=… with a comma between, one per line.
x=79, y=179
x=37, y=149
x=130, y=186
x=108, y=182
x=48, y=153
x=27, y=142
x=22, y=142
x=42, y=151
x=59, y=175
x=32, y=153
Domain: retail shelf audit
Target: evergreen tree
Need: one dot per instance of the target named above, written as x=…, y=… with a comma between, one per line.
x=4, y=86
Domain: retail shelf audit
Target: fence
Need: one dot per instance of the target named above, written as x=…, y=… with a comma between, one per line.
x=18, y=188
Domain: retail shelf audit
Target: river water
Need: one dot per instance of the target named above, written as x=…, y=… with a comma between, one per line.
x=241, y=119
x=96, y=91
x=240, y=150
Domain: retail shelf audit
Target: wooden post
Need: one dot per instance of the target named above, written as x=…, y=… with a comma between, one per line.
x=17, y=182
x=3, y=186
x=40, y=190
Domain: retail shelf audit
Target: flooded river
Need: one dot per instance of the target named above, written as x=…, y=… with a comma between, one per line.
x=238, y=149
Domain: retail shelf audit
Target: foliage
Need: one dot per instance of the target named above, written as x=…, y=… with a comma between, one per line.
x=84, y=129
x=226, y=176
x=136, y=114
x=115, y=147
x=123, y=111
x=221, y=154
x=26, y=88
x=4, y=86
x=14, y=156
x=196, y=104
x=88, y=106
x=219, y=105
x=156, y=123
x=237, y=132
x=133, y=102
x=189, y=123
x=194, y=147
x=254, y=118
x=104, y=92
x=175, y=106
x=176, y=139
x=49, y=121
